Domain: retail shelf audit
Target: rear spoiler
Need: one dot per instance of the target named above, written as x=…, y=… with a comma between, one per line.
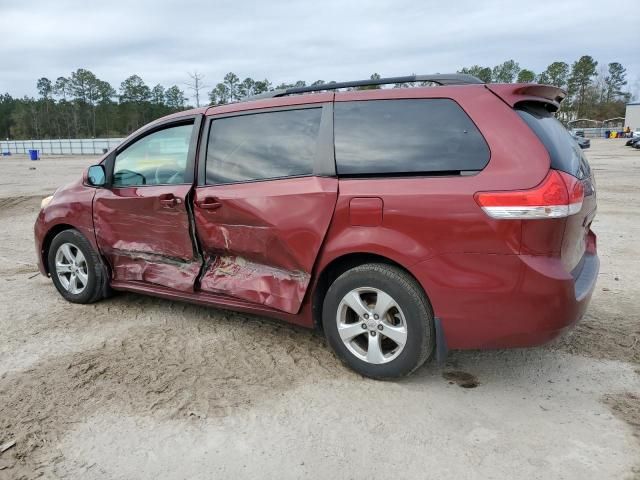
x=514, y=93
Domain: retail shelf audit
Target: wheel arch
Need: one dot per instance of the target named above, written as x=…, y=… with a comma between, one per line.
x=48, y=238
x=340, y=264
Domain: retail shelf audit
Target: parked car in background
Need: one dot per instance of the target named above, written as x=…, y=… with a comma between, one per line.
x=581, y=141
x=632, y=141
x=401, y=222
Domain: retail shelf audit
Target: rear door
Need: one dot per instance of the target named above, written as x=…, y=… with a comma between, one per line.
x=141, y=218
x=265, y=197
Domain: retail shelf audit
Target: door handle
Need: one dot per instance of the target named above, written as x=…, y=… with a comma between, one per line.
x=169, y=200
x=209, y=203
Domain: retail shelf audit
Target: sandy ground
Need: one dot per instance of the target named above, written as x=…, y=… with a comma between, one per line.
x=136, y=387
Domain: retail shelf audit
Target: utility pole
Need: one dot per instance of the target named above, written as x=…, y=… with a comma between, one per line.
x=196, y=85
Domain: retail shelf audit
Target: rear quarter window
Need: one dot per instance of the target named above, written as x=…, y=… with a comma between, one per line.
x=566, y=155
x=425, y=136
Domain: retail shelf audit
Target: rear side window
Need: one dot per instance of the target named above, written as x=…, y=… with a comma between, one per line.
x=262, y=146
x=406, y=137
x=566, y=155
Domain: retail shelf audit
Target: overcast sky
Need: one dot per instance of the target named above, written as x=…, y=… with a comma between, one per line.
x=284, y=41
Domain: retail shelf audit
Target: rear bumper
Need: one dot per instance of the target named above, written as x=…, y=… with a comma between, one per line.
x=503, y=301
x=585, y=276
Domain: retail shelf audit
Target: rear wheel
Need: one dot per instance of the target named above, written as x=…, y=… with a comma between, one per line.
x=76, y=269
x=378, y=321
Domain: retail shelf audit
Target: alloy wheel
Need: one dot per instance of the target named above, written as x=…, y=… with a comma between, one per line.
x=71, y=268
x=371, y=325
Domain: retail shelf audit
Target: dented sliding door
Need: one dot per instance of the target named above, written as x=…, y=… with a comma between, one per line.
x=265, y=198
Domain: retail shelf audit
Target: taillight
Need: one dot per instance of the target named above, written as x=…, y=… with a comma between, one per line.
x=558, y=195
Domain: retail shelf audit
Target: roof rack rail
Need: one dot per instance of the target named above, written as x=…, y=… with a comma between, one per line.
x=438, y=78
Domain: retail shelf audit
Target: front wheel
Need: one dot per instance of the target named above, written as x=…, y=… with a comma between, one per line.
x=378, y=321
x=76, y=269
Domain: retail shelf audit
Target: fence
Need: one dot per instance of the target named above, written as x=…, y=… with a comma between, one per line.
x=87, y=146
x=96, y=146
x=600, y=132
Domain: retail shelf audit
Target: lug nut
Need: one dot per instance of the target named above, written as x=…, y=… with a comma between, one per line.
x=373, y=333
x=375, y=315
x=366, y=315
x=364, y=326
x=380, y=327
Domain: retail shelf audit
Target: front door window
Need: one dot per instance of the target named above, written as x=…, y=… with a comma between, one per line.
x=159, y=158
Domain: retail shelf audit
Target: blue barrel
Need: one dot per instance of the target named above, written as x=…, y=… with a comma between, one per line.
x=33, y=154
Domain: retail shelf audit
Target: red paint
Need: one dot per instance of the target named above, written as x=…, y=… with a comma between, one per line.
x=365, y=212
x=513, y=93
x=498, y=301
x=207, y=299
x=255, y=282
x=143, y=232
x=263, y=245
x=269, y=234
x=71, y=206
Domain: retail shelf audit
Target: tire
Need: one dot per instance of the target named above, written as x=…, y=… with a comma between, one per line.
x=91, y=278
x=370, y=352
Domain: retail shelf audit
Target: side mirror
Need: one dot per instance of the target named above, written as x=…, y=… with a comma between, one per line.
x=96, y=176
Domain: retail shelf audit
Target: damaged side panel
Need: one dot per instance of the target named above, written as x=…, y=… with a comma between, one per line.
x=145, y=239
x=256, y=282
x=261, y=244
x=132, y=265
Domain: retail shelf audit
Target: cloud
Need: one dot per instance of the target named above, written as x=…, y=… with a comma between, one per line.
x=289, y=40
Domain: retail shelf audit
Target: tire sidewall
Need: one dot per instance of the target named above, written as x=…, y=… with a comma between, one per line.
x=418, y=320
x=76, y=239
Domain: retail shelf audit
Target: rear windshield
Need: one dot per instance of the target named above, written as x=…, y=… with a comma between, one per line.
x=566, y=155
x=431, y=136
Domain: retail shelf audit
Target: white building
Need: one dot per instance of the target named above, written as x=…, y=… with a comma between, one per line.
x=632, y=116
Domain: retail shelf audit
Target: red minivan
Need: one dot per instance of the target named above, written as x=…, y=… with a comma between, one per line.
x=400, y=221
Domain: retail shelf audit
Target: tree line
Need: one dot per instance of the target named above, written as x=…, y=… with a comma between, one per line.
x=592, y=93
x=84, y=106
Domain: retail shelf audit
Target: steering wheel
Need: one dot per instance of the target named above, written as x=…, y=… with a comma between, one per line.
x=164, y=175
